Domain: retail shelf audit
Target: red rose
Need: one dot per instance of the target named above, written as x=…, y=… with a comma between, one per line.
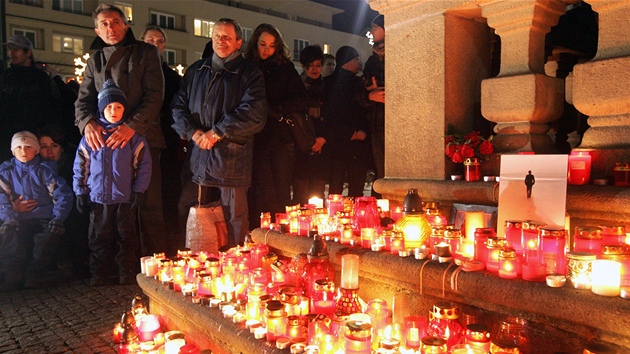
x=449, y=139
x=486, y=147
x=450, y=150
x=457, y=157
x=473, y=137
x=467, y=151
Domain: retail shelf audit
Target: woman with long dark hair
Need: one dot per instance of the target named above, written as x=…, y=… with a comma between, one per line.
x=274, y=148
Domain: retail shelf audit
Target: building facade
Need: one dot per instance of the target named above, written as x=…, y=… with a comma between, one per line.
x=62, y=30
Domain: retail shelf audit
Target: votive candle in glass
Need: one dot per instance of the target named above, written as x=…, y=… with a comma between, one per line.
x=507, y=263
x=552, y=244
x=265, y=220
x=276, y=320
x=493, y=246
x=358, y=337
x=606, y=277
x=453, y=237
x=481, y=241
x=588, y=239
x=579, y=269
x=472, y=221
x=478, y=335
x=579, y=168
x=367, y=236
x=613, y=235
x=619, y=253
x=529, y=240
x=335, y=204
x=397, y=242
x=433, y=345
x=323, y=298
x=415, y=329
x=513, y=234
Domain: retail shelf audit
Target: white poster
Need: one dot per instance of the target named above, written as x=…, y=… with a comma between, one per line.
x=532, y=187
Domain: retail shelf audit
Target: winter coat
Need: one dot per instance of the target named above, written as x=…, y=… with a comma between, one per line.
x=38, y=180
x=136, y=68
x=111, y=176
x=285, y=94
x=232, y=102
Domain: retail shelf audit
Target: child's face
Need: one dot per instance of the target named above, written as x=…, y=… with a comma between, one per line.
x=114, y=112
x=24, y=153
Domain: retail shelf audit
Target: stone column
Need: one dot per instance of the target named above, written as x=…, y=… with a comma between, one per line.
x=601, y=90
x=522, y=100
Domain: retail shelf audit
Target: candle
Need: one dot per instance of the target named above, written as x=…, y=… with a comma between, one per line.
x=350, y=271
x=367, y=235
x=579, y=168
x=507, y=263
x=472, y=221
x=358, y=338
x=117, y=332
x=316, y=201
x=148, y=327
x=416, y=328
x=534, y=271
x=396, y=213
x=265, y=220
x=467, y=349
x=578, y=270
x=606, y=277
x=383, y=204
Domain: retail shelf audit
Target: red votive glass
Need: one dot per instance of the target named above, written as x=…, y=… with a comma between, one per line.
x=493, y=245
x=323, y=299
x=613, y=235
x=335, y=204
x=304, y=221
x=588, y=239
x=265, y=220
x=443, y=323
x=579, y=168
x=552, y=244
x=508, y=265
x=481, y=241
x=365, y=213
x=513, y=234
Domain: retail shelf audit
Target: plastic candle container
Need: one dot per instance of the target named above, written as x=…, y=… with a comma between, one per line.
x=579, y=168
x=579, y=269
x=507, y=263
x=323, y=298
x=492, y=252
x=478, y=335
x=358, y=337
x=529, y=241
x=588, y=239
x=620, y=254
x=552, y=244
x=513, y=234
x=606, y=277
x=276, y=320
x=349, y=271
x=335, y=204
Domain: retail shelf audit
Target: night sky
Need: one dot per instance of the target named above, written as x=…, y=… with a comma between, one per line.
x=357, y=17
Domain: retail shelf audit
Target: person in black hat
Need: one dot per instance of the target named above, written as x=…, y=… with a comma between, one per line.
x=29, y=99
x=345, y=124
x=374, y=77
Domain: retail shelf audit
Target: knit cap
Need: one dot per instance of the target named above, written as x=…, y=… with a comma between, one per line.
x=345, y=54
x=379, y=21
x=24, y=138
x=110, y=94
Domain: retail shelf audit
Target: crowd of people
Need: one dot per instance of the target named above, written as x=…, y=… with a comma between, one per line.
x=96, y=176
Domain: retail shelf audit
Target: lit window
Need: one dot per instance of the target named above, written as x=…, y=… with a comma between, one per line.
x=298, y=45
x=26, y=33
x=127, y=9
x=72, y=6
x=67, y=44
x=203, y=28
x=162, y=20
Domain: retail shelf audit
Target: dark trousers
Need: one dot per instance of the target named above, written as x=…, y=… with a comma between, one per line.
x=351, y=169
x=151, y=213
x=271, y=182
x=305, y=188
x=112, y=237
x=27, y=249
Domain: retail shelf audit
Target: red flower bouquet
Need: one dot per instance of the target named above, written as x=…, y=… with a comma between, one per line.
x=470, y=145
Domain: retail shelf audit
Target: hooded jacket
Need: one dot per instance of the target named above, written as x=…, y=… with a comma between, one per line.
x=36, y=179
x=232, y=102
x=136, y=68
x=111, y=176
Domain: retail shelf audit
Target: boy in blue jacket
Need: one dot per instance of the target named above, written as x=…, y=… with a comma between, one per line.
x=34, y=203
x=111, y=183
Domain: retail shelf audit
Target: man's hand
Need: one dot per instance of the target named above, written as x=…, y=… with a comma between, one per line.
x=205, y=140
x=120, y=137
x=377, y=95
x=23, y=206
x=94, y=135
x=359, y=135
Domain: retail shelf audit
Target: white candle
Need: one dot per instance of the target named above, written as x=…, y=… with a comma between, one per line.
x=350, y=271
x=606, y=277
x=318, y=202
x=383, y=204
x=473, y=220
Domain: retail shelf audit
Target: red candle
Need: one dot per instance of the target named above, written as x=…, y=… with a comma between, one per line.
x=579, y=167
x=552, y=243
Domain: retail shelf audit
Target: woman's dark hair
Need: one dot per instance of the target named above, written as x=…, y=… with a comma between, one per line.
x=281, y=54
x=310, y=54
x=53, y=132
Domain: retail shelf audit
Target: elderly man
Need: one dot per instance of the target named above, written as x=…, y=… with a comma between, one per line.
x=220, y=106
x=29, y=99
x=136, y=68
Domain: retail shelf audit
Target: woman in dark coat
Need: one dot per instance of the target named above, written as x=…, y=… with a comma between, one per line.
x=274, y=149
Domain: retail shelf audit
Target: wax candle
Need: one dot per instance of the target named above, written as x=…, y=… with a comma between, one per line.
x=606, y=277
x=415, y=329
x=472, y=221
x=350, y=271
x=579, y=168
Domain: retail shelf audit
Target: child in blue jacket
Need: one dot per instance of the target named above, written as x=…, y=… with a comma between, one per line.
x=111, y=183
x=34, y=203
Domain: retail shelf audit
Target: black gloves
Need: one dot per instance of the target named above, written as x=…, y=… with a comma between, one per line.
x=137, y=200
x=82, y=203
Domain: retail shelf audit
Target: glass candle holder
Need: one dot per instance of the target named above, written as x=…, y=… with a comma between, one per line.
x=507, y=263
x=511, y=333
x=619, y=253
x=349, y=271
x=397, y=242
x=365, y=213
x=612, y=235
x=358, y=337
x=323, y=300
x=415, y=228
x=368, y=235
x=579, y=269
x=453, y=238
x=265, y=220
x=415, y=329
x=513, y=234
x=304, y=221
x=433, y=345
x=552, y=244
x=478, y=335
x=335, y=204
x=579, y=168
x=443, y=323
x=276, y=320
x=493, y=247
x=472, y=169
x=588, y=239
x=378, y=312
x=481, y=241
x=437, y=237
x=529, y=240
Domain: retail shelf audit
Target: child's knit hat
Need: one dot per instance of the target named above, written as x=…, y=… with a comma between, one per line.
x=24, y=138
x=109, y=94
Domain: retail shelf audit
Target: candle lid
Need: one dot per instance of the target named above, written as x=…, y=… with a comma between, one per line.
x=615, y=250
x=319, y=249
x=557, y=232
x=532, y=225
x=493, y=242
x=433, y=341
x=324, y=285
x=212, y=262
x=478, y=332
x=581, y=256
x=452, y=233
x=514, y=223
x=445, y=310
x=507, y=252
x=294, y=320
x=613, y=230
x=591, y=233
x=358, y=329
x=471, y=161
x=275, y=308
